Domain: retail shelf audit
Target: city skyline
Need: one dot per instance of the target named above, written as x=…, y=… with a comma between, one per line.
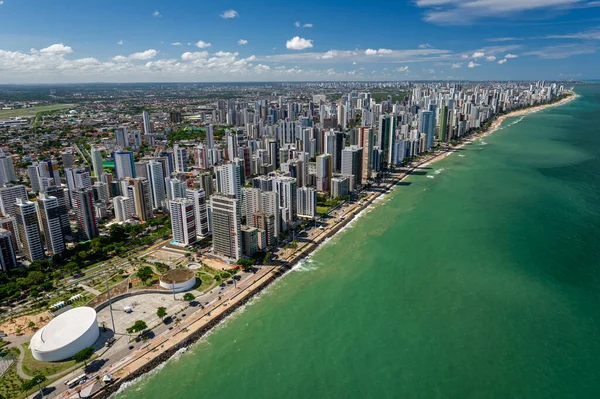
x=154, y=41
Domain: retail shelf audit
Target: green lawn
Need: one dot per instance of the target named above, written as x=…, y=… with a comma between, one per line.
x=323, y=209
x=9, y=113
x=31, y=365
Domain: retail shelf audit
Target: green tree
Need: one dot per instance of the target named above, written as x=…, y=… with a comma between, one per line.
x=161, y=312
x=145, y=273
x=189, y=297
x=84, y=355
x=138, y=326
x=28, y=384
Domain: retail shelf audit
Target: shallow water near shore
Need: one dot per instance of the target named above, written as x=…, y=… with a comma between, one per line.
x=483, y=282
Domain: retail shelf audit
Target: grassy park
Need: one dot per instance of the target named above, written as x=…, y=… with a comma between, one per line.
x=11, y=113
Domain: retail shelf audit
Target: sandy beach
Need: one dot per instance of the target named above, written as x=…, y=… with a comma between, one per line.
x=164, y=346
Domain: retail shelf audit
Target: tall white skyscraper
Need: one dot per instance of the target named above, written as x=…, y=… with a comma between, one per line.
x=228, y=179
x=97, y=162
x=157, y=184
x=198, y=197
x=175, y=188
x=352, y=163
x=181, y=161
x=307, y=202
x=7, y=169
x=8, y=198
x=227, y=226
x=124, y=208
x=286, y=188
x=183, y=221
x=124, y=166
x=29, y=230
x=50, y=220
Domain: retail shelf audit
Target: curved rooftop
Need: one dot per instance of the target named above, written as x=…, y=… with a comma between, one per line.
x=64, y=329
x=179, y=275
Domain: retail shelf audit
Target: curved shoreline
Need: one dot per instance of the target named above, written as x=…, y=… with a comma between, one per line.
x=156, y=354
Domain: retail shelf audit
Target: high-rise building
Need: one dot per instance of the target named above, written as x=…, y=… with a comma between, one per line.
x=183, y=221
x=63, y=198
x=8, y=259
x=68, y=159
x=198, y=198
x=210, y=139
x=443, y=123
x=286, y=189
x=50, y=220
x=365, y=139
x=86, y=217
x=157, y=184
x=7, y=169
x=352, y=158
x=121, y=137
x=181, y=159
x=124, y=165
x=10, y=223
x=124, y=208
x=8, y=198
x=175, y=117
x=141, y=198
x=228, y=179
x=324, y=173
x=427, y=126
x=146, y=121
x=226, y=222
x=307, y=202
x=207, y=184
x=29, y=230
x=96, y=162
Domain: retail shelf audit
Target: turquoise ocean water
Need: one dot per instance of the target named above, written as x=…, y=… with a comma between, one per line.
x=482, y=282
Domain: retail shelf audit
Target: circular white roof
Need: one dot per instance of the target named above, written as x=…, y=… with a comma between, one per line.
x=64, y=329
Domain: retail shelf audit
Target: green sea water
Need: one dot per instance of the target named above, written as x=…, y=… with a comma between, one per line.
x=482, y=282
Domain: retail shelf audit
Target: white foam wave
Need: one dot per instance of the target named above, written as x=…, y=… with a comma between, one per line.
x=431, y=177
x=438, y=171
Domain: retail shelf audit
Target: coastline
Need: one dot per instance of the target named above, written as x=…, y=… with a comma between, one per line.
x=161, y=349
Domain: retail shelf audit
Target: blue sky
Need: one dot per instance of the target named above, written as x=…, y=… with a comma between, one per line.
x=59, y=41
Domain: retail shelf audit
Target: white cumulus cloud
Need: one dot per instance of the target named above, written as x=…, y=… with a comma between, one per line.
x=490, y=58
x=502, y=61
x=473, y=65
x=156, y=14
x=143, y=55
x=511, y=56
x=478, y=54
x=307, y=25
x=242, y=42
x=402, y=69
x=57, y=49
x=228, y=14
x=425, y=45
x=298, y=43
x=176, y=44
x=121, y=42
x=202, y=44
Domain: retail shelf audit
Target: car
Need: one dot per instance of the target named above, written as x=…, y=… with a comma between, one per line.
x=110, y=341
x=131, y=347
x=229, y=281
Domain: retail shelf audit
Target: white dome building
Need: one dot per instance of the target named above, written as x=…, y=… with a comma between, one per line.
x=178, y=280
x=65, y=335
